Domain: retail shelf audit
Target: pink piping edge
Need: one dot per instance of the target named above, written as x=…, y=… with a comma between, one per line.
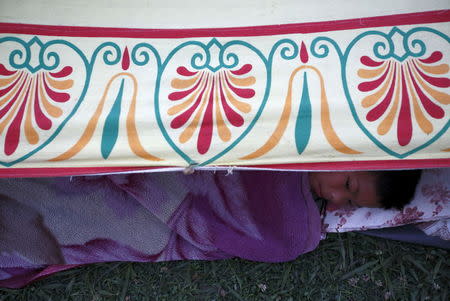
x=437, y=16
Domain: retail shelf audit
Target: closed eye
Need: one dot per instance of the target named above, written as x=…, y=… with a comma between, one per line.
x=347, y=183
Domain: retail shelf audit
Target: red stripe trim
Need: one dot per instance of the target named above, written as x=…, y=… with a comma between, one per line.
x=324, y=166
x=78, y=31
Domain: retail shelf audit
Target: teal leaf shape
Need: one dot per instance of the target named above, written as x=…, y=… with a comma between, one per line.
x=111, y=128
x=303, y=123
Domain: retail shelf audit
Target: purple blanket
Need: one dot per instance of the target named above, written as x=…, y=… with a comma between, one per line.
x=53, y=223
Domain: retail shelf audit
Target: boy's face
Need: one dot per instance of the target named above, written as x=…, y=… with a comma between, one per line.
x=356, y=188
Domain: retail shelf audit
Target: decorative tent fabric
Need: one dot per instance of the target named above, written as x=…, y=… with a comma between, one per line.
x=319, y=95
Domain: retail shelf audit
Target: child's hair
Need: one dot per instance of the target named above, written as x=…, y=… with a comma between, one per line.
x=396, y=187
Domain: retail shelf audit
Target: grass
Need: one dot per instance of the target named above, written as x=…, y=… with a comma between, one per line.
x=344, y=267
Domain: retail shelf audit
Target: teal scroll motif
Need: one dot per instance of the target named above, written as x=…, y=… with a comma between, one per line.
x=402, y=62
x=49, y=62
x=225, y=60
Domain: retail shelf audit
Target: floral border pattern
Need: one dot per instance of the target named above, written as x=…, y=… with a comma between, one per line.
x=204, y=98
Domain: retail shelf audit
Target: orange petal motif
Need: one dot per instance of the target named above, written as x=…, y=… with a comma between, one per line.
x=405, y=92
x=29, y=102
x=210, y=102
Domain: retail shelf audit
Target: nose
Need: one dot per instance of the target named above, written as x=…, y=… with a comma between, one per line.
x=339, y=197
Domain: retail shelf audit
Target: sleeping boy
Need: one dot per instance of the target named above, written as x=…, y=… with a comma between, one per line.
x=374, y=189
x=256, y=215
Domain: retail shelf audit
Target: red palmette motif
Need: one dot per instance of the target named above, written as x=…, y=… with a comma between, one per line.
x=405, y=92
x=210, y=101
x=29, y=103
